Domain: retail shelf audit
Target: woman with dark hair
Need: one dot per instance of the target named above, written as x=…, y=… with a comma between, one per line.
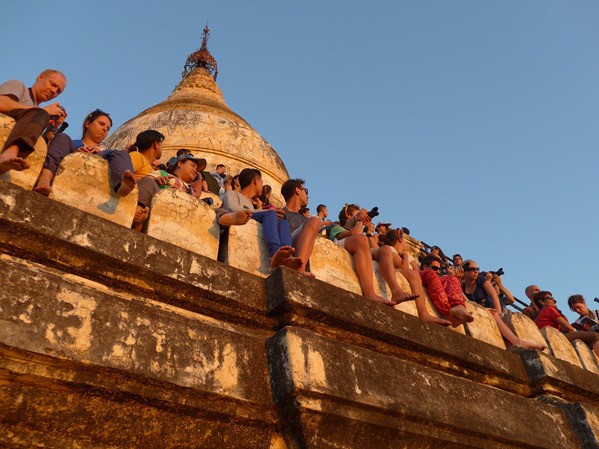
x=96, y=126
x=589, y=319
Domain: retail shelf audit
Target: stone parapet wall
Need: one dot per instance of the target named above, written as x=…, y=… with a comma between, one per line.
x=112, y=338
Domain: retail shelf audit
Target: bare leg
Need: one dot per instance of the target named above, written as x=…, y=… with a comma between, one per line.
x=459, y=315
x=10, y=160
x=359, y=247
x=44, y=182
x=305, y=242
x=127, y=184
x=415, y=282
x=507, y=333
x=384, y=256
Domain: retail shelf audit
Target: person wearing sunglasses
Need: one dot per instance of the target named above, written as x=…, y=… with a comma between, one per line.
x=550, y=315
x=349, y=234
x=477, y=288
x=445, y=292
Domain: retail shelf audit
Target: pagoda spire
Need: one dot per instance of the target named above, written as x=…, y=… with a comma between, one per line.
x=201, y=58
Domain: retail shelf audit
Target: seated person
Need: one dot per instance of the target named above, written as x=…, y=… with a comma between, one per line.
x=305, y=211
x=457, y=260
x=478, y=288
x=265, y=197
x=589, y=319
x=436, y=251
x=349, y=234
x=531, y=311
x=126, y=167
x=505, y=296
x=179, y=175
x=408, y=266
x=551, y=316
x=22, y=104
x=303, y=230
x=445, y=292
x=275, y=229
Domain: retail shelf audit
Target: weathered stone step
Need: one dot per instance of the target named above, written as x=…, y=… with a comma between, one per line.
x=75, y=354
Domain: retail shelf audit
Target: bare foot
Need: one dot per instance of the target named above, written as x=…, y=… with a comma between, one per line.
x=402, y=296
x=13, y=163
x=381, y=300
x=43, y=190
x=141, y=215
x=241, y=217
x=308, y=274
x=433, y=319
x=283, y=257
x=127, y=184
x=529, y=344
x=459, y=315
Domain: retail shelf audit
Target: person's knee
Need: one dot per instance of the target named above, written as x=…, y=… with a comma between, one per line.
x=313, y=223
x=384, y=252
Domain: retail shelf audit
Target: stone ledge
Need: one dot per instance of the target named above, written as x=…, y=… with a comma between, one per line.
x=337, y=393
x=353, y=319
x=37, y=228
x=551, y=376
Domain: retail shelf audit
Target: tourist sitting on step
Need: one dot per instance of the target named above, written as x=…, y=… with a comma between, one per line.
x=444, y=291
x=408, y=266
x=303, y=230
x=349, y=234
x=265, y=197
x=22, y=104
x=477, y=288
x=180, y=175
x=126, y=167
x=275, y=228
x=531, y=311
x=589, y=319
x=550, y=315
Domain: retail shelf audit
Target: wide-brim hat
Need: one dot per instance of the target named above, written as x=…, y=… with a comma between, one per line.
x=201, y=162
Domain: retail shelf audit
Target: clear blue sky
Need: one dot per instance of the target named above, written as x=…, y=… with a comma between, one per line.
x=473, y=123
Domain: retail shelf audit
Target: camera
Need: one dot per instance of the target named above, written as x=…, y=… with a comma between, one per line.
x=209, y=201
x=499, y=272
x=52, y=124
x=374, y=212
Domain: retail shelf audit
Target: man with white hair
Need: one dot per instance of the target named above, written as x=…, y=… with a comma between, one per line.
x=22, y=104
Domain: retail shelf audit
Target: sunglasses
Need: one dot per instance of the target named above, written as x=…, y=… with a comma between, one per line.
x=98, y=112
x=435, y=268
x=305, y=190
x=472, y=269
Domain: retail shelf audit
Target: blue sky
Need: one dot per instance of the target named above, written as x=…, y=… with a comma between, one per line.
x=473, y=123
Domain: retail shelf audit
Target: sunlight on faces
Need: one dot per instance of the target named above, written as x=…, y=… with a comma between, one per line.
x=48, y=86
x=97, y=130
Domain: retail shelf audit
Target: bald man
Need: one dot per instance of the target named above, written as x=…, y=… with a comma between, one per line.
x=532, y=310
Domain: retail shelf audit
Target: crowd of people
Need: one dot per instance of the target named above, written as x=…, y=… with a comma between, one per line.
x=290, y=232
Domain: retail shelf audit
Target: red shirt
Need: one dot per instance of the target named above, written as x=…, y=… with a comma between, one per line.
x=548, y=317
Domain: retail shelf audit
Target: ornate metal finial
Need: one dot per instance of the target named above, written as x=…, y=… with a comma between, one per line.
x=201, y=58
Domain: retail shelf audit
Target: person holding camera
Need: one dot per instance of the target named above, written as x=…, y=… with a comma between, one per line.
x=479, y=289
x=588, y=319
x=349, y=234
x=22, y=104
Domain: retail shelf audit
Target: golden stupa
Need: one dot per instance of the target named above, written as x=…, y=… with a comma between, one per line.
x=195, y=116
